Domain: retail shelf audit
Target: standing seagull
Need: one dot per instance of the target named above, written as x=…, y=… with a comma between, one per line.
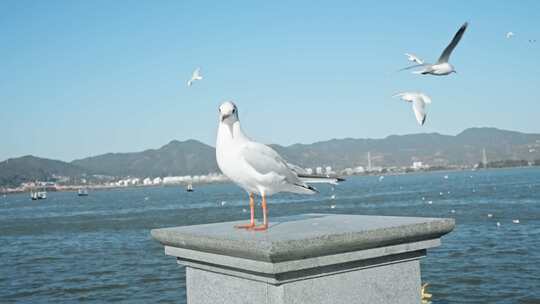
x=419, y=101
x=255, y=167
x=442, y=67
x=195, y=76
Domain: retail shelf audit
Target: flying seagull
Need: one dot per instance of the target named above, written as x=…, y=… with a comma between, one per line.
x=442, y=67
x=419, y=101
x=195, y=76
x=509, y=35
x=414, y=58
x=255, y=167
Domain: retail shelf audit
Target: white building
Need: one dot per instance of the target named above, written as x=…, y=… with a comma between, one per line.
x=157, y=181
x=417, y=165
x=309, y=171
x=359, y=170
x=347, y=171
x=147, y=181
x=318, y=170
x=172, y=180
x=122, y=183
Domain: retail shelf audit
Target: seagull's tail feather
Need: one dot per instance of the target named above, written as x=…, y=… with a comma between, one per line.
x=319, y=179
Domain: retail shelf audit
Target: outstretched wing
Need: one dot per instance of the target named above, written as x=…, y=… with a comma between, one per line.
x=196, y=73
x=413, y=66
x=413, y=57
x=445, y=56
x=406, y=96
x=419, y=108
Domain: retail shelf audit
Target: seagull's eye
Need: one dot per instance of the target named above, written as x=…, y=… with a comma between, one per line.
x=234, y=111
x=219, y=110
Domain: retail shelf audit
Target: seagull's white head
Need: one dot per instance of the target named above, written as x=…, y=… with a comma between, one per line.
x=228, y=113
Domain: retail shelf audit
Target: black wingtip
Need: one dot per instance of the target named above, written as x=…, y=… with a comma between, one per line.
x=313, y=189
x=305, y=186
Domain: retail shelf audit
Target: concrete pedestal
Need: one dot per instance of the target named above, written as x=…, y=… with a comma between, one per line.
x=312, y=258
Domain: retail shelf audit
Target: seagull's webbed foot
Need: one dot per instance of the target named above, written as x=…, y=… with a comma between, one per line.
x=262, y=227
x=245, y=226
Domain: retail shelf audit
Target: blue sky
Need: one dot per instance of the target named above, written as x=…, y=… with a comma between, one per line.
x=79, y=78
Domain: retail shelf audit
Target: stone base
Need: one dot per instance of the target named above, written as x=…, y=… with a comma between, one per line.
x=393, y=282
x=314, y=258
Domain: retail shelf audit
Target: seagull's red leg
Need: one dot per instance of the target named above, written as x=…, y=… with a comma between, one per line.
x=264, y=226
x=252, y=209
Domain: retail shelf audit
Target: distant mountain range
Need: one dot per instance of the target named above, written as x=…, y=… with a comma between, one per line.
x=175, y=158
x=192, y=157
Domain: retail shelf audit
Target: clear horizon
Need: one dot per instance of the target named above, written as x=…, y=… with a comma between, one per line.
x=84, y=79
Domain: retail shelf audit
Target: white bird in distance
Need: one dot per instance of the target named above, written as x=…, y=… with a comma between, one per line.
x=414, y=58
x=442, y=67
x=510, y=35
x=195, y=76
x=256, y=167
x=419, y=101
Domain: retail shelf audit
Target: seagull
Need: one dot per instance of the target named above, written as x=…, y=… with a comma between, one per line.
x=195, y=76
x=515, y=221
x=442, y=67
x=509, y=35
x=414, y=58
x=256, y=167
x=419, y=101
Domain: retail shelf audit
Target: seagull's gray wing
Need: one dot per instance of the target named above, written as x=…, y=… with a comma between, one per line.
x=266, y=160
x=419, y=108
x=297, y=169
x=196, y=73
x=445, y=56
x=414, y=66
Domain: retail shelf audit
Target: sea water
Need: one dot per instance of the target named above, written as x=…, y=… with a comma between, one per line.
x=98, y=248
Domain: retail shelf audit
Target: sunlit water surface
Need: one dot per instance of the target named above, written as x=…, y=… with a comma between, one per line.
x=98, y=248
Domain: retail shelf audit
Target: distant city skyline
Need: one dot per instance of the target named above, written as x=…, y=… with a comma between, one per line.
x=87, y=78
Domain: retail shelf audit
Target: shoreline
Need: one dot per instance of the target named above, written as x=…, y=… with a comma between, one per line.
x=75, y=188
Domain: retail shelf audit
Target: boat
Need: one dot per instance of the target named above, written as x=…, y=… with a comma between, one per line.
x=38, y=195
x=189, y=187
x=82, y=192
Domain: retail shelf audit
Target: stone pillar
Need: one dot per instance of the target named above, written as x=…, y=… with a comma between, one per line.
x=311, y=258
